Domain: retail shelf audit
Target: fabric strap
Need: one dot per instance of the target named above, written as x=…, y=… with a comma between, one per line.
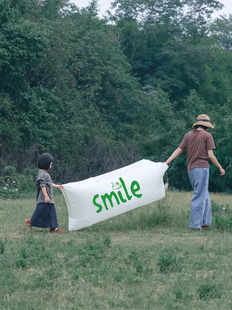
x=203, y=120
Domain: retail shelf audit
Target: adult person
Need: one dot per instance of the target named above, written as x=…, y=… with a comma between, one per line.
x=199, y=145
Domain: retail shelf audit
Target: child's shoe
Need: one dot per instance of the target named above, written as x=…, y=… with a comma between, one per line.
x=53, y=230
x=28, y=221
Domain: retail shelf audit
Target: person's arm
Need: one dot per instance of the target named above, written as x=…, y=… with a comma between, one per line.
x=176, y=153
x=44, y=191
x=57, y=186
x=215, y=162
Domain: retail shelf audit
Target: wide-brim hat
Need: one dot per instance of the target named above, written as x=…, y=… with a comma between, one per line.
x=203, y=120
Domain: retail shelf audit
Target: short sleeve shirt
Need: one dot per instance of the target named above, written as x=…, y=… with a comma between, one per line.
x=197, y=144
x=44, y=180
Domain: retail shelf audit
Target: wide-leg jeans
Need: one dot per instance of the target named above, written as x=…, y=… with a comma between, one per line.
x=200, y=214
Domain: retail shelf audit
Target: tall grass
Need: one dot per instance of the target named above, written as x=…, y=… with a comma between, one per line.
x=144, y=259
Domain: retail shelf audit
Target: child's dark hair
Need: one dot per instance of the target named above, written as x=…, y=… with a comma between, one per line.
x=204, y=127
x=45, y=161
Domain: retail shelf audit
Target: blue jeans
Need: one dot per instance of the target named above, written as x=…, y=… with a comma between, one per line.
x=200, y=214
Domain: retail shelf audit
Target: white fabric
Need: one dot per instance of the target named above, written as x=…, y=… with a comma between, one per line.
x=118, y=191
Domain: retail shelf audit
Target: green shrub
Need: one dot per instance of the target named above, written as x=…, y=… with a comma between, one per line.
x=224, y=222
x=222, y=217
x=220, y=209
x=15, y=185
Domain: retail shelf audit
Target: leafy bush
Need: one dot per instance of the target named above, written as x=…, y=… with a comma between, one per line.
x=15, y=185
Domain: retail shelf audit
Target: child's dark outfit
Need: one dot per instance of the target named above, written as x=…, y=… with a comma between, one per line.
x=45, y=213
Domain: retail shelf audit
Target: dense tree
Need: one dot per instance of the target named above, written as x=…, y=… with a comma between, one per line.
x=166, y=41
x=69, y=85
x=221, y=28
x=101, y=93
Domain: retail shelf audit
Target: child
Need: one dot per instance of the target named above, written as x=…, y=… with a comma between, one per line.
x=44, y=215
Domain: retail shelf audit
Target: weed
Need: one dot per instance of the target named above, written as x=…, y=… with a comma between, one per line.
x=119, y=277
x=53, y=273
x=168, y=262
x=107, y=240
x=220, y=209
x=21, y=263
x=43, y=282
x=160, y=215
x=90, y=253
x=138, y=266
x=179, y=294
x=23, y=253
x=134, y=260
x=2, y=245
x=75, y=276
x=223, y=223
x=207, y=291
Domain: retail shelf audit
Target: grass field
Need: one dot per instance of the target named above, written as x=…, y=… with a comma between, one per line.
x=144, y=259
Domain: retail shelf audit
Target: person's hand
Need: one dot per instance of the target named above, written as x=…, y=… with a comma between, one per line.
x=60, y=187
x=222, y=171
x=47, y=200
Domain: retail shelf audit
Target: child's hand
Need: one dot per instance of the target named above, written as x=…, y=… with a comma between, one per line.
x=47, y=200
x=58, y=186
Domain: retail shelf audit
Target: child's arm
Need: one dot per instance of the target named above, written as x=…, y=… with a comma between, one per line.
x=57, y=186
x=44, y=191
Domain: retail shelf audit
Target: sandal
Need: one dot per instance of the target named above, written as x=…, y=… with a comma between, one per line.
x=205, y=226
x=52, y=230
x=27, y=221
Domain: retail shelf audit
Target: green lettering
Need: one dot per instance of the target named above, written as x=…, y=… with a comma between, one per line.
x=109, y=197
x=97, y=204
x=121, y=198
x=125, y=189
x=134, y=188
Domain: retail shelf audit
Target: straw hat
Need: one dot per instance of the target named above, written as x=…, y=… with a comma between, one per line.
x=203, y=120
